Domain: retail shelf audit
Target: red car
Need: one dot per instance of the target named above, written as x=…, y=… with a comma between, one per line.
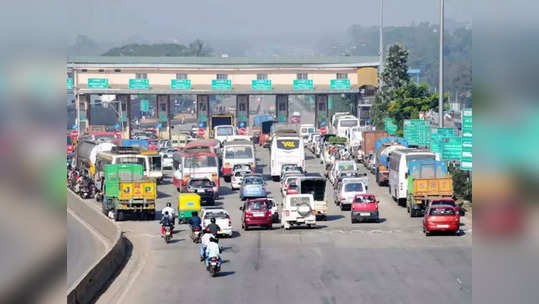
x=441, y=218
x=256, y=212
x=364, y=207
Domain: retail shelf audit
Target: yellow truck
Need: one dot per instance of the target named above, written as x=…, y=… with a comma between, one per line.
x=129, y=192
x=427, y=180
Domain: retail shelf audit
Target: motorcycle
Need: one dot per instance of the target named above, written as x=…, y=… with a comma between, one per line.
x=168, y=234
x=195, y=235
x=86, y=191
x=214, y=266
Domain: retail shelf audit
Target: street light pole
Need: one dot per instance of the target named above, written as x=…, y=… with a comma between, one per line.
x=381, y=48
x=441, y=76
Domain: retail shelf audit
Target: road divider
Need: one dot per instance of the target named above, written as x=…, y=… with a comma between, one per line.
x=88, y=288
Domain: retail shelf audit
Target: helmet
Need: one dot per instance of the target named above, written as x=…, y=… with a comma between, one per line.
x=212, y=220
x=166, y=212
x=168, y=204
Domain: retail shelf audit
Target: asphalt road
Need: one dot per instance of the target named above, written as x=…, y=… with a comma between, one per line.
x=84, y=248
x=337, y=262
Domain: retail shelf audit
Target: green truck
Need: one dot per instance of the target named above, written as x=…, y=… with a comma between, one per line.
x=128, y=192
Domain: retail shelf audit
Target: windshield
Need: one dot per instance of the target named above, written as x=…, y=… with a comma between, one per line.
x=259, y=205
x=348, y=123
x=155, y=163
x=225, y=131
x=448, y=202
x=218, y=214
x=253, y=181
x=287, y=144
x=365, y=199
x=419, y=157
x=200, y=161
x=239, y=152
x=442, y=211
x=296, y=201
x=353, y=187
x=132, y=160
x=347, y=166
x=201, y=183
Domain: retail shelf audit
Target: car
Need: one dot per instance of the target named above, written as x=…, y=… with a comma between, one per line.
x=253, y=186
x=341, y=166
x=441, y=218
x=364, y=208
x=167, y=157
x=298, y=210
x=448, y=201
x=237, y=178
x=289, y=168
x=222, y=219
x=256, y=212
x=204, y=187
x=346, y=193
x=287, y=180
x=274, y=210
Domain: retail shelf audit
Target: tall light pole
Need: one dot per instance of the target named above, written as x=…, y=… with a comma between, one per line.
x=381, y=50
x=441, y=76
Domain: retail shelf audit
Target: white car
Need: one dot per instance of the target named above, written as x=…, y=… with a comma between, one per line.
x=166, y=157
x=237, y=178
x=346, y=193
x=222, y=219
x=298, y=209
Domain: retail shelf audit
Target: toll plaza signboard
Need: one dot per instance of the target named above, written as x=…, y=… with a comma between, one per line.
x=221, y=84
x=417, y=132
x=261, y=84
x=144, y=105
x=180, y=84
x=339, y=84
x=303, y=84
x=98, y=83
x=69, y=83
x=139, y=84
x=466, y=159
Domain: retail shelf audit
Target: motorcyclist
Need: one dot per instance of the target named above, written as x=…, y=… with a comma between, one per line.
x=170, y=211
x=195, y=221
x=204, y=242
x=213, y=251
x=165, y=222
x=213, y=227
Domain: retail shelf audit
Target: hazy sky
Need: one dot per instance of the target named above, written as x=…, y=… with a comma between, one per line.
x=106, y=20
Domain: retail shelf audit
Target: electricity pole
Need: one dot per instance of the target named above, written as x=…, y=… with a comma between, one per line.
x=381, y=50
x=441, y=76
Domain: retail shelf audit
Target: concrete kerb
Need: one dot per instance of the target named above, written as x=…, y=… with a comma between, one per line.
x=92, y=284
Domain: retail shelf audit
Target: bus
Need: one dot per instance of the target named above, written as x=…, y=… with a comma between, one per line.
x=286, y=148
x=150, y=160
x=237, y=152
x=195, y=165
x=398, y=170
x=345, y=123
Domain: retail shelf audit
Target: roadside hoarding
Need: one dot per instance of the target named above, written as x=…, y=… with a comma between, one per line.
x=466, y=160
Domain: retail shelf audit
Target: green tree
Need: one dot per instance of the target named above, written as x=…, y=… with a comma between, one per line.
x=196, y=48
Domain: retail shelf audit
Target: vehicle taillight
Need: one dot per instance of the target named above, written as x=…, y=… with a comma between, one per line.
x=287, y=212
x=343, y=198
x=229, y=222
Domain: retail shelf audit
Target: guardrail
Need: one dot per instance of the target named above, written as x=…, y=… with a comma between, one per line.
x=88, y=288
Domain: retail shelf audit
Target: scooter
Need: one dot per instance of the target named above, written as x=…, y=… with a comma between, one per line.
x=214, y=266
x=195, y=235
x=168, y=234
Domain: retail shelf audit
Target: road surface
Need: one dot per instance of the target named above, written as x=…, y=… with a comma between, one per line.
x=338, y=262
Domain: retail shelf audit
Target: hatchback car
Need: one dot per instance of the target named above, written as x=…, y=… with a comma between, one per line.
x=365, y=207
x=222, y=219
x=203, y=187
x=347, y=192
x=256, y=212
x=253, y=186
x=441, y=218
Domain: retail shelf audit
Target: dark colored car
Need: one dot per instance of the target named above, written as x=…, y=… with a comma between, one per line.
x=257, y=212
x=441, y=218
x=365, y=208
x=204, y=188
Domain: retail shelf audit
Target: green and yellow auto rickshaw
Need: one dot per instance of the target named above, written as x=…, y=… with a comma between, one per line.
x=187, y=204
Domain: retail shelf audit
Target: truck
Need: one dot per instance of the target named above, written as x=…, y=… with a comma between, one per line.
x=86, y=154
x=128, y=192
x=368, y=142
x=383, y=147
x=220, y=120
x=316, y=186
x=427, y=180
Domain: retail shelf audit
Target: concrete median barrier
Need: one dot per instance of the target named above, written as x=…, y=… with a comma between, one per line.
x=91, y=284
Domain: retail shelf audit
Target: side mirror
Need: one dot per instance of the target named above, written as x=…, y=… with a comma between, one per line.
x=241, y=208
x=406, y=175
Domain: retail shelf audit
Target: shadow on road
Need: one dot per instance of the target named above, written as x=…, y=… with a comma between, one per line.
x=225, y=273
x=330, y=218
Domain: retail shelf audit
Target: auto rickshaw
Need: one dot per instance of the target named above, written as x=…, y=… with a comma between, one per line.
x=187, y=204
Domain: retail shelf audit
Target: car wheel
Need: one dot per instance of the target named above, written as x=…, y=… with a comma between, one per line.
x=342, y=208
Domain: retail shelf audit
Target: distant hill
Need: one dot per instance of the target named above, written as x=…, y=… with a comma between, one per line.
x=195, y=48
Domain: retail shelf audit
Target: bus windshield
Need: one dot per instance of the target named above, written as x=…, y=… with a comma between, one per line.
x=224, y=131
x=238, y=152
x=199, y=161
x=348, y=123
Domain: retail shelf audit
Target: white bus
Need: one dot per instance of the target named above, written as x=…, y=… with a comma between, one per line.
x=237, y=152
x=345, y=123
x=305, y=130
x=286, y=148
x=398, y=169
x=150, y=160
x=223, y=132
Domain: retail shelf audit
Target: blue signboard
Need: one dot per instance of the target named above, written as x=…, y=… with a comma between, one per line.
x=159, y=126
x=202, y=124
x=117, y=126
x=242, y=124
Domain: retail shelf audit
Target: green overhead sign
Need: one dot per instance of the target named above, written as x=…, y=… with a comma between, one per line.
x=162, y=117
x=303, y=84
x=466, y=160
x=69, y=83
x=390, y=127
x=417, y=132
x=180, y=84
x=221, y=84
x=452, y=148
x=437, y=137
x=339, y=84
x=139, y=84
x=261, y=84
x=144, y=105
x=98, y=83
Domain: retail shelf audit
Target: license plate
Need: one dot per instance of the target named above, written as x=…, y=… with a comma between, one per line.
x=442, y=226
x=364, y=214
x=258, y=214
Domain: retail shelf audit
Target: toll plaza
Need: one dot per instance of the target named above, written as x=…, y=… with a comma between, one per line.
x=163, y=77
